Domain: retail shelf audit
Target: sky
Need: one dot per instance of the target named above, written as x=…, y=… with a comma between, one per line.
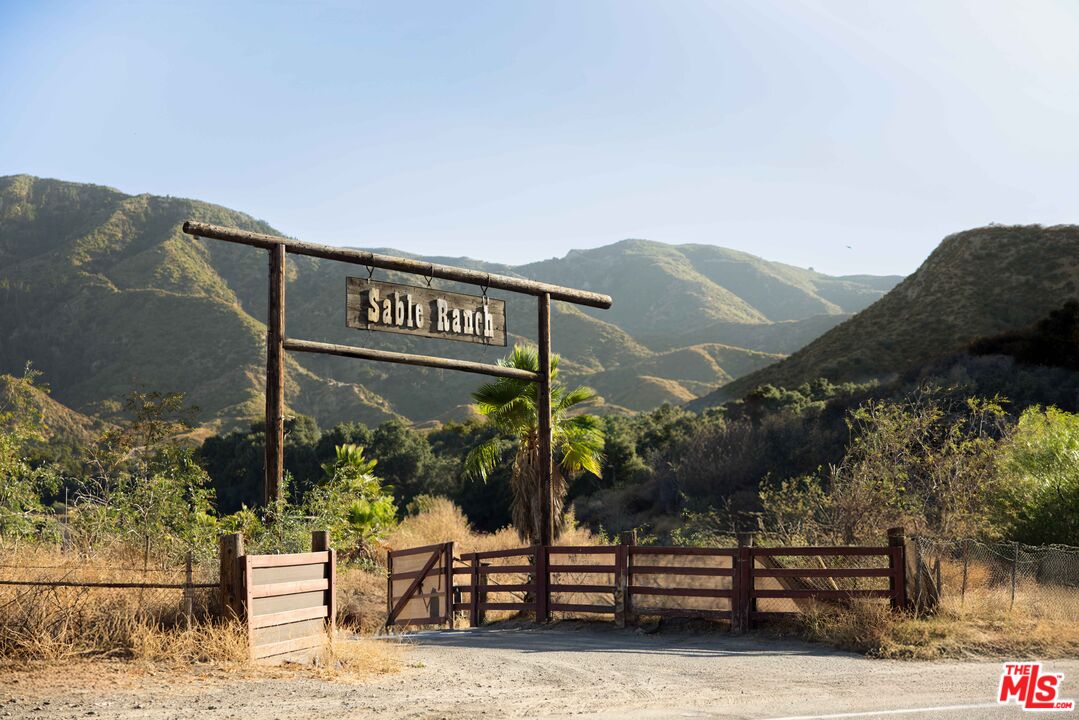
x=848, y=136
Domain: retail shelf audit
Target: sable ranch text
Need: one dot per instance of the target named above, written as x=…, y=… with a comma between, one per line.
x=415, y=310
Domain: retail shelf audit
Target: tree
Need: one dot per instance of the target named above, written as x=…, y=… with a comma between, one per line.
x=351, y=502
x=21, y=482
x=511, y=406
x=1040, y=465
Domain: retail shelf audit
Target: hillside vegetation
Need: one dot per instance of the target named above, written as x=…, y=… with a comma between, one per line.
x=977, y=283
x=104, y=293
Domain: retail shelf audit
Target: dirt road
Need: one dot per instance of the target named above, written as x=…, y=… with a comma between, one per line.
x=568, y=670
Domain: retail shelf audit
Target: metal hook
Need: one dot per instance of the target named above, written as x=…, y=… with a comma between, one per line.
x=370, y=271
x=486, y=285
x=429, y=275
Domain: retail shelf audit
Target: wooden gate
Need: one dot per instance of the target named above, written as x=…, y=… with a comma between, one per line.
x=420, y=585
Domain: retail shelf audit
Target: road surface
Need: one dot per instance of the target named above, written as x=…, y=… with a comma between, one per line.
x=569, y=670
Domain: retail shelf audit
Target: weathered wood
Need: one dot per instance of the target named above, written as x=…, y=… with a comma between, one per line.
x=424, y=312
x=650, y=550
x=407, y=265
x=580, y=568
x=261, y=652
x=320, y=542
x=543, y=580
x=681, y=592
x=682, y=570
x=448, y=563
x=543, y=411
x=230, y=547
x=582, y=607
x=823, y=572
x=287, y=588
x=822, y=594
x=575, y=588
x=267, y=561
x=413, y=587
x=897, y=564
x=275, y=377
x=628, y=543
x=289, y=616
x=409, y=359
x=823, y=550
x=331, y=594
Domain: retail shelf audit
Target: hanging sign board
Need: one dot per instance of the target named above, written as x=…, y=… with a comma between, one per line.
x=424, y=311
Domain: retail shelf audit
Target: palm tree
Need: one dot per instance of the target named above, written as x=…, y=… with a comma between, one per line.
x=510, y=405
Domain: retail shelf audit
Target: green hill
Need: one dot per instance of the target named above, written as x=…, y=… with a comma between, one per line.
x=104, y=293
x=977, y=283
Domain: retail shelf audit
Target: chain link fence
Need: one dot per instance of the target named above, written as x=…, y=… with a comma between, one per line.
x=1040, y=581
x=63, y=601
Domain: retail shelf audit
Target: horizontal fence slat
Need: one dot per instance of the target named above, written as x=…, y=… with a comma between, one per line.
x=504, y=569
x=415, y=550
x=822, y=572
x=508, y=587
x=576, y=607
x=771, y=615
x=679, y=592
x=436, y=570
x=582, y=550
x=312, y=558
x=821, y=594
x=288, y=588
x=670, y=550
x=580, y=568
x=288, y=616
x=507, y=606
x=822, y=550
x=581, y=588
x=488, y=554
x=287, y=646
x=680, y=570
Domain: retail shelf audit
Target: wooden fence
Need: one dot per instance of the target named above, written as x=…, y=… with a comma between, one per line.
x=287, y=601
x=743, y=585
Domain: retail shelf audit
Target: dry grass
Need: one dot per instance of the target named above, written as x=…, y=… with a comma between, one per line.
x=1041, y=625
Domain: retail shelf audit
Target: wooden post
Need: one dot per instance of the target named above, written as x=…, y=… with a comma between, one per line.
x=474, y=593
x=747, y=601
x=966, y=563
x=897, y=563
x=481, y=597
x=389, y=583
x=320, y=542
x=230, y=549
x=627, y=541
x=543, y=409
x=448, y=559
x=543, y=593
x=275, y=377
x=1015, y=571
x=189, y=603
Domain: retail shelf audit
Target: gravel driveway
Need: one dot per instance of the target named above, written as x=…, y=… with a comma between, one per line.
x=569, y=670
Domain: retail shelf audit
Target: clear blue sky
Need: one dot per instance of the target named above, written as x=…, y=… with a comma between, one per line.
x=515, y=131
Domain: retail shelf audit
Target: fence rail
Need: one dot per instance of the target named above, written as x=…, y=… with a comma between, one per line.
x=742, y=585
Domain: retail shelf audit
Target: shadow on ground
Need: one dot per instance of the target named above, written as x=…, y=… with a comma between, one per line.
x=575, y=636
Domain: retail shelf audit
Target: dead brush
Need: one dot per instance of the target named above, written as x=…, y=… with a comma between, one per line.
x=1038, y=625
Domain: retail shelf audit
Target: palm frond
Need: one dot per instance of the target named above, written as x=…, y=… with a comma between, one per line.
x=482, y=460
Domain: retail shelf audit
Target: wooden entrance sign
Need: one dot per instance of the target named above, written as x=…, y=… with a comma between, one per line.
x=493, y=332
x=424, y=311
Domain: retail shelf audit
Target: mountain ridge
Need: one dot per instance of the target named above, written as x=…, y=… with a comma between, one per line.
x=103, y=292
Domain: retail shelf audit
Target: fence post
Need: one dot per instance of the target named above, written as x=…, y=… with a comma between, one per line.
x=320, y=542
x=543, y=593
x=897, y=563
x=741, y=592
x=188, y=591
x=389, y=582
x=448, y=556
x=1015, y=570
x=623, y=603
x=966, y=562
x=474, y=593
x=230, y=548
